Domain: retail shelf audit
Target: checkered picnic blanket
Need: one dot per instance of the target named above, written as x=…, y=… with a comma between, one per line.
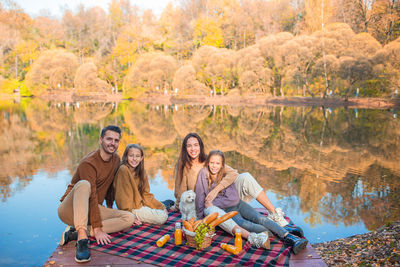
x=139, y=243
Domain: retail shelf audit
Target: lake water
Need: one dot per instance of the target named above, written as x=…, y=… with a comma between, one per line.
x=335, y=172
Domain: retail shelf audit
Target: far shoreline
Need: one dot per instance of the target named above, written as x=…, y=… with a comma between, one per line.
x=253, y=100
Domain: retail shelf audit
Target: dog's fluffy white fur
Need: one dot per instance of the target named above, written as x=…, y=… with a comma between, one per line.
x=187, y=205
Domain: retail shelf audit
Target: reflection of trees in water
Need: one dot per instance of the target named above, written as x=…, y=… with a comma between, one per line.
x=322, y=156
x=306, y=151
x=372, y=196
x=187, y=118
x=152, y=127
x=92, y=112
x=18, y=160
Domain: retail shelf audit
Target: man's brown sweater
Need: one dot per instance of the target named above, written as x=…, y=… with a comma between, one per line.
x=100, y=175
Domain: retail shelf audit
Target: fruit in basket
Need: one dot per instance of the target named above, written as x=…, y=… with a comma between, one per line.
x=201, y=232
x=196, y=224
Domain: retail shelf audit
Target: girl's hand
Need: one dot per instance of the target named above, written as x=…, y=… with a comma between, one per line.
x=137, y=222
x=212, y=195
x=208, y=204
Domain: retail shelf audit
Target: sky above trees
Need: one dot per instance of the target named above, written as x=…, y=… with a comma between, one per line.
x=56, y=7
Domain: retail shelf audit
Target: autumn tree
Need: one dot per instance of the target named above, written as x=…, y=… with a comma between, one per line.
x=317, y=13
x=185, y=82
x=354, y=70
x=253, y=74
x=385, y=20
x=87, y=32
x=176, y=32
x=207, y=31
x=268, y=46
x=152, y=72
x=87, y=80
x=354, y=13
x=54, y=69
x=49, y=33
x=215, y=68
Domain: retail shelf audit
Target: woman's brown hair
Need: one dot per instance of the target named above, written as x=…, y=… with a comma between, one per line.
x=184, y=158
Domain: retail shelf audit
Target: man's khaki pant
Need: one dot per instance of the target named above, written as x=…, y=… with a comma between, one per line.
x=74, y=211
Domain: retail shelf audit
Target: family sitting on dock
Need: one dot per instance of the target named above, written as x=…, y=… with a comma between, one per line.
x=101, y=175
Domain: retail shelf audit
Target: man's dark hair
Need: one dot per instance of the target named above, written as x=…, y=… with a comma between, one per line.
x=110, y=128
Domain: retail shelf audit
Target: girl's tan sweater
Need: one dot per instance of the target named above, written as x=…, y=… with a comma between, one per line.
x=127, y=195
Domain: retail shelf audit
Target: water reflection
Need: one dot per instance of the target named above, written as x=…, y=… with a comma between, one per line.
x=334, y=166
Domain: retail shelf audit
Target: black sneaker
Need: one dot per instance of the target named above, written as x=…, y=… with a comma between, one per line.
x=297, y=243
x=294, y=230
x=82, y=251
x=69, y=234
x=168, y=203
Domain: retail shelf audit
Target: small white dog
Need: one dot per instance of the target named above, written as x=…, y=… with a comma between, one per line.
x=187, y=205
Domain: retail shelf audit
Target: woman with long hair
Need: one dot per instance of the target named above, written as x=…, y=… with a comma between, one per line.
x=132, y=190
x=228, y=200
x=191, y=160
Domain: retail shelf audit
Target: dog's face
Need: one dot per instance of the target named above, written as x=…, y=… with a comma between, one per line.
x=188, y=196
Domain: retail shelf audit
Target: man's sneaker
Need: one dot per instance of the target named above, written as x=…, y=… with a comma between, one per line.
x=168, y=203
x=82, y=251
x=278, y=217
x=260, y=240
x=69, y=234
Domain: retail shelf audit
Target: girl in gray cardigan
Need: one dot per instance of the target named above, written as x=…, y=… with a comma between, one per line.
x=228, y=200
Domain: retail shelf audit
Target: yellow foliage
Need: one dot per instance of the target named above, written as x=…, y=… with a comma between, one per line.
x=7, y=86
x=27, y=51
x=125, y=50
x=207, y=31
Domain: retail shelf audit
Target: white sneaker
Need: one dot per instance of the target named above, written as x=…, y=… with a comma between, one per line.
x=278, y=217
x=260, y=240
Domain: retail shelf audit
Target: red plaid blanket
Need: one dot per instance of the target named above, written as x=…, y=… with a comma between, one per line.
x=139, y=243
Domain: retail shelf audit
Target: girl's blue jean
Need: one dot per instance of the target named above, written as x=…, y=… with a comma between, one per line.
x=253, y=221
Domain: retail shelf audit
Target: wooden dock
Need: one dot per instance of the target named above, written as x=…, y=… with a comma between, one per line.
x=64, y=256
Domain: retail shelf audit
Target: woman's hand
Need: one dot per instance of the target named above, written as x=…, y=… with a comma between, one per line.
x=101, y=237
x=137, y=222
x=208, y=204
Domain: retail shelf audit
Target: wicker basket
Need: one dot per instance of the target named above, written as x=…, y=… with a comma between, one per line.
x=192, y=243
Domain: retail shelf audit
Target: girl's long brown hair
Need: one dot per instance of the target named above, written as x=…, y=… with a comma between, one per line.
x=139, y=169
x=221, y=173
x=184, y=158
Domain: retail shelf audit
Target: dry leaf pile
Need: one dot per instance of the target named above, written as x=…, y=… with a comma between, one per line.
x=377, y=248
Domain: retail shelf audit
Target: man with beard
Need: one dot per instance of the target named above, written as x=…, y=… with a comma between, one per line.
x=81, y=206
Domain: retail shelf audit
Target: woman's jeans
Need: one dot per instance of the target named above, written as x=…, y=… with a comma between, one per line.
x=253, y=221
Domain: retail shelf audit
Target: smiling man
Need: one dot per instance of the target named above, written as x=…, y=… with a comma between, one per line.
x=81, y=205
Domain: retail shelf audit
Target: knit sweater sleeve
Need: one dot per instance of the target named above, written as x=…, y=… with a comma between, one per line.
x=181, y=184
x=124, y=191
x=148, y=198
x=230, y=176
x=88, y=172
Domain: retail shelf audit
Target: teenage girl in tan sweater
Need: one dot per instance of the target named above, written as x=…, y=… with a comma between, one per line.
x=132, y=190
